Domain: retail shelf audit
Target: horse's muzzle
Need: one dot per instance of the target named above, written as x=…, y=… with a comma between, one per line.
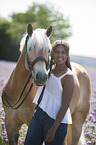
x=40, y=79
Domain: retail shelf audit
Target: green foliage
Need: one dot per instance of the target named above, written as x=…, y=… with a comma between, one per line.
x=3, y=141
x=41, y=16
x=8, y=46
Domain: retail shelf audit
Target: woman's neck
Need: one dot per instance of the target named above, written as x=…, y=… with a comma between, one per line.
x=60, y=69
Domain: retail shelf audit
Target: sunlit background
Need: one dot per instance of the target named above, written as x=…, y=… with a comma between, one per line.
x=82, y=17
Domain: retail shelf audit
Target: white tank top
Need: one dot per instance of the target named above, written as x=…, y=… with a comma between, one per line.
x=52, y=98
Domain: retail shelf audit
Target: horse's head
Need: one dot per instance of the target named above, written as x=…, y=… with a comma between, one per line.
x=37, y=47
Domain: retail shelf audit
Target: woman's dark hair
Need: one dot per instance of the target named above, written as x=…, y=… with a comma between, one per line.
x=66, y=47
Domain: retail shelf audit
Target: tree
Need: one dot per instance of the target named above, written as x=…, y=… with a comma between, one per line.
x=41, y=16
x=8, y=46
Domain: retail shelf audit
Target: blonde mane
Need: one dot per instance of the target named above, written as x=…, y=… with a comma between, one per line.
x=38, y=40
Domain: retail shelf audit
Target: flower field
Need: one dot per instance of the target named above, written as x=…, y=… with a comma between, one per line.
x=89, y=125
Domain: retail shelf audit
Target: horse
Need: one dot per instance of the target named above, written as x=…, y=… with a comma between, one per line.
x=31, y=70
x=31, y=63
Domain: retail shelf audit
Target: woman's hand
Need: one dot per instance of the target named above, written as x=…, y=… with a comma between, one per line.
x=50, y=135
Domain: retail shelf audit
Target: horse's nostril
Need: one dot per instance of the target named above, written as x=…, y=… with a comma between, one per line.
x=37, y=76
x=41, y=77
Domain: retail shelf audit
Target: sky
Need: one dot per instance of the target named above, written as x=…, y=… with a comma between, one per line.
x=82, y=18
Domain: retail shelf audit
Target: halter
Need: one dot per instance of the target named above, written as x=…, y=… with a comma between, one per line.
x=39, y=58
x=30, y=65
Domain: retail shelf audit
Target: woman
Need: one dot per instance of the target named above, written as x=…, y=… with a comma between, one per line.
x=50, y=121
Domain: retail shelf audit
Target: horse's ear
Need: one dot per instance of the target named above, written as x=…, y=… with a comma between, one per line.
x=49, y=31
x=29, y=29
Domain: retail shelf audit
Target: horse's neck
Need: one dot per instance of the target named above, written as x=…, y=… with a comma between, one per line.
x=18, y=77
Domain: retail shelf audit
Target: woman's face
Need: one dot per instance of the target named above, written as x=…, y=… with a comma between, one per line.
x=59, y=55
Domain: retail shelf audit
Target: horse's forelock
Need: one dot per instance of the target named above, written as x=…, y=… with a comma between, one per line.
x=39, y=40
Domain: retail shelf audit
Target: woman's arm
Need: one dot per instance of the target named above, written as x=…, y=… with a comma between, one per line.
x=68, y=88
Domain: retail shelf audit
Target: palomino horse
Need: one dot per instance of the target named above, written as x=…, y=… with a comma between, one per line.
x=31, y=66
x=80, y=102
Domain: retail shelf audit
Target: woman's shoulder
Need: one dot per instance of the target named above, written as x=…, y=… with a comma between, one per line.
x=68, y=78
x=69, y=75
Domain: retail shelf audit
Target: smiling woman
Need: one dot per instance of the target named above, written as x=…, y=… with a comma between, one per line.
x=60, y=44
x=60, y=55
x=53, y=115
x=62, y=99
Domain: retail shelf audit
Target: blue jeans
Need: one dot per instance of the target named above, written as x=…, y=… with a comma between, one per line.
x=39, y=126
